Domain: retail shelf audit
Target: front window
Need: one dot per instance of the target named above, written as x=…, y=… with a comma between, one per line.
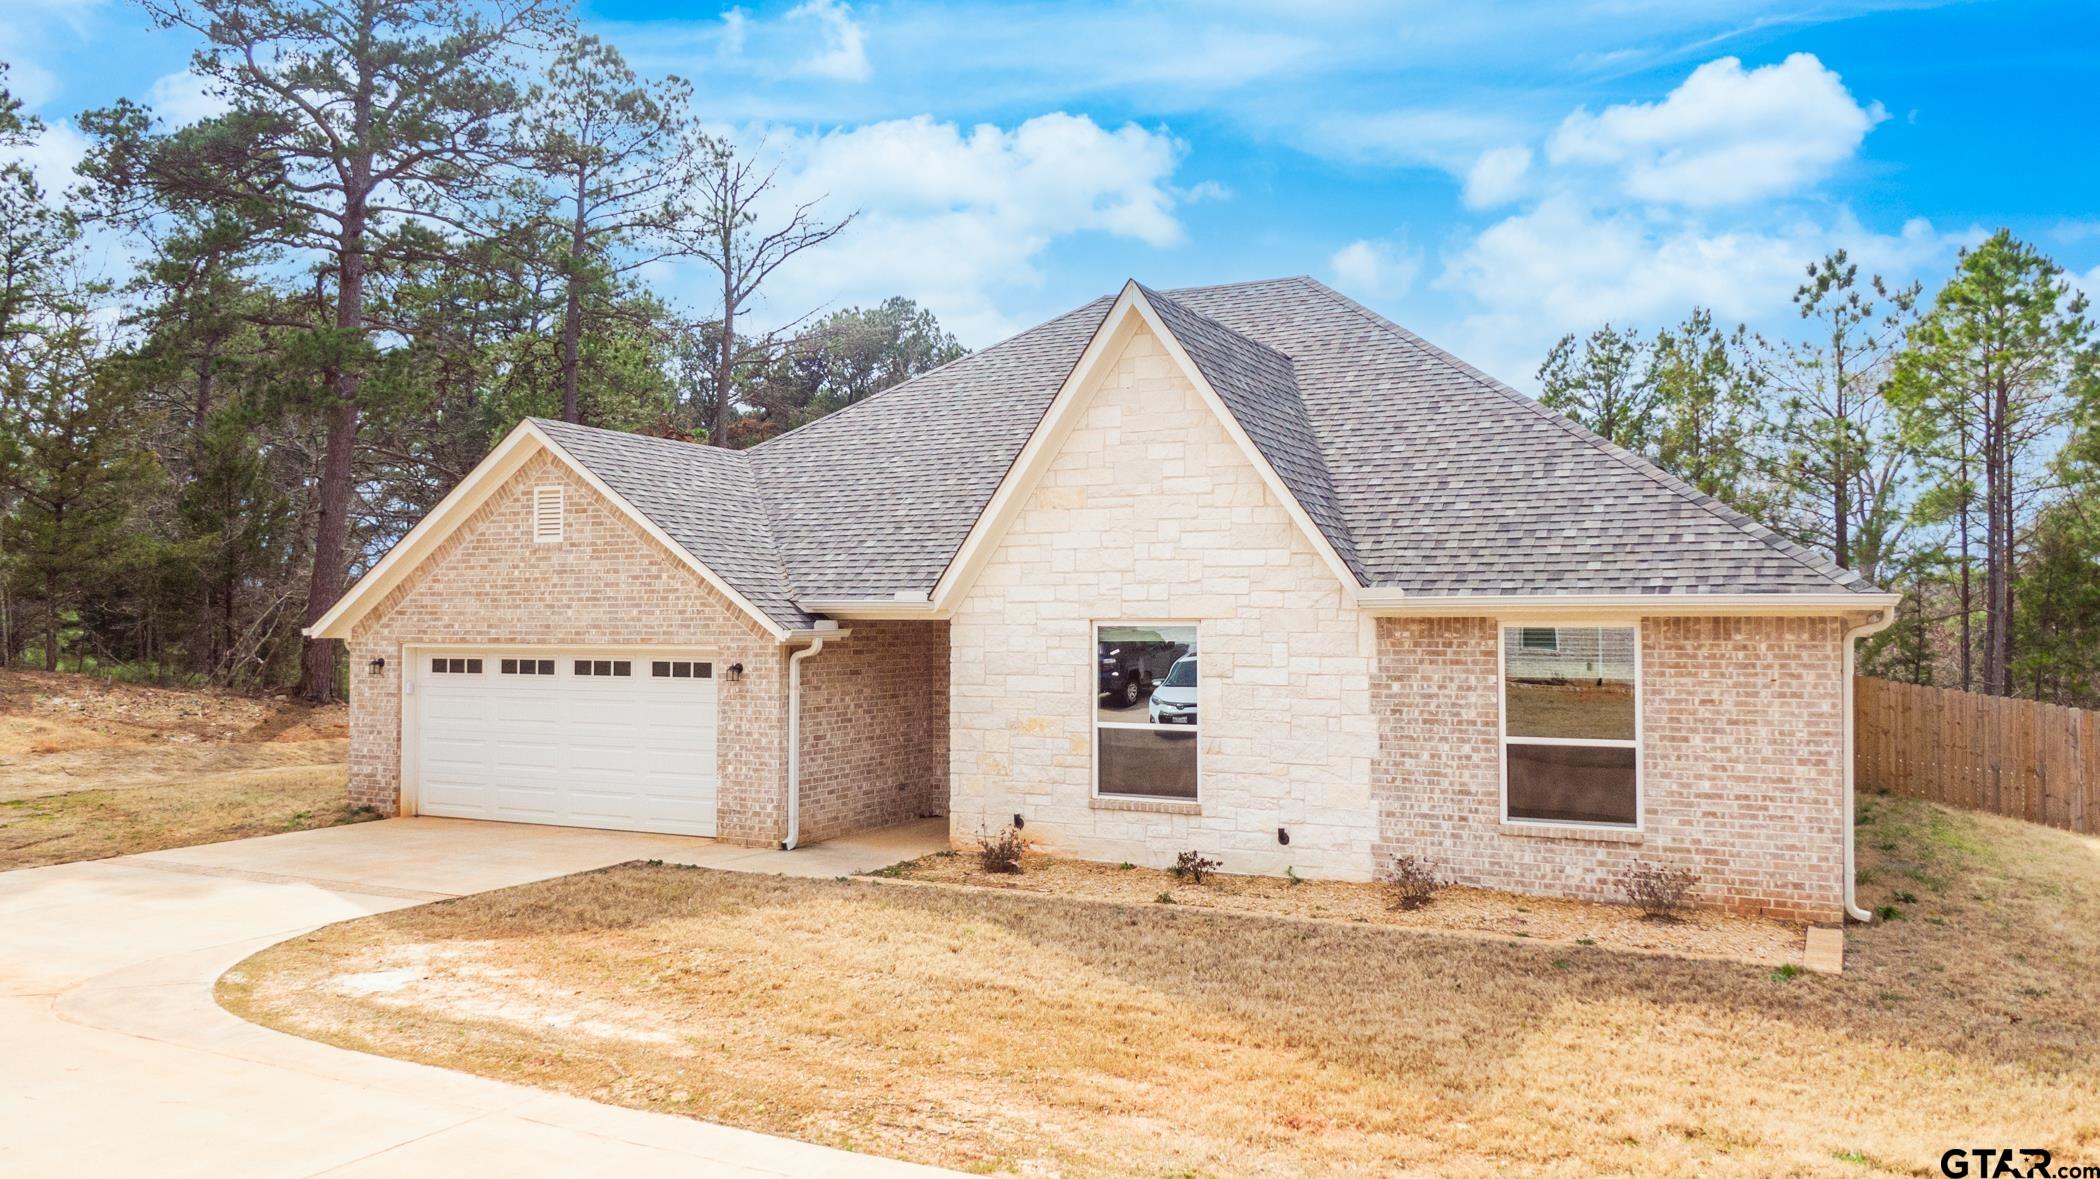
x=1570, y=724
x=1145, y=717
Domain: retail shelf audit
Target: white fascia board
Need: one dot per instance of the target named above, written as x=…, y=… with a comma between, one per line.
x=480, y=484
x=1125, y=315
x=1393, y=603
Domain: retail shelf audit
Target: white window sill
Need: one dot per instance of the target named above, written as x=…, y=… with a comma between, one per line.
x=1150, y=806
x=1573, y=831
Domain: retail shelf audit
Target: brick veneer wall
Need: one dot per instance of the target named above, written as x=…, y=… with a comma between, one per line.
x=1742, y=763
x=1151, y=512
x=875, y=728
x=607, y=583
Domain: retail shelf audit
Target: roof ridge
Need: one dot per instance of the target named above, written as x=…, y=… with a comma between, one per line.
x=987, y=350
x=1228, y=286
x=1713, y=506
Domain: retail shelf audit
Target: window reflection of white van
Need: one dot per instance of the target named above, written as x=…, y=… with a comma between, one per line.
x=1174, y=700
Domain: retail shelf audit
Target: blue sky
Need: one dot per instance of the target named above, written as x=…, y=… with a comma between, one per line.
x=1490, y=174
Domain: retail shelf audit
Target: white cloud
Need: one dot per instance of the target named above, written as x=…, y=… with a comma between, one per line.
x=736, y=24
x=1447, y=139
x=1497, y=177
x=843, y=53
x=1565, y=265
x=52, y=157
x=953, y=215
x=1725, y=135
x=183, y=98
x=1370, y=269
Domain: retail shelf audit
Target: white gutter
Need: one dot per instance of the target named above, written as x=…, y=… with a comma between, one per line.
x=794, y=758
x=1879, y=623
x=899, y=607
x=1388, y=601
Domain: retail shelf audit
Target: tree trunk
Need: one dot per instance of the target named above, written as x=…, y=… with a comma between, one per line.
x=50, y=623
x=572, y=313
x=1997, y=586
x=1968, y=640
x=338, y=467
x=725, y=359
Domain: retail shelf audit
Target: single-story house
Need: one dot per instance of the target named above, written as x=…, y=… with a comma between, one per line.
x=1245, y=569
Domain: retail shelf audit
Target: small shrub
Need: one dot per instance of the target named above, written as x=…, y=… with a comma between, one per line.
x=1194, y=867
x=1001, y=853
x=1165, y=898
x=1126, y=866
x=1889, y=913
x=1412, y=882
x=1291, y=874
x=1662, y=894
x=1785, y=972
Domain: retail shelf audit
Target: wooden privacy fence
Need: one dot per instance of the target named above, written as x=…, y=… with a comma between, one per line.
x=2033, y=761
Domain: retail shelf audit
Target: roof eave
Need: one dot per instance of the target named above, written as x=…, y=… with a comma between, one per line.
x=1389, y=602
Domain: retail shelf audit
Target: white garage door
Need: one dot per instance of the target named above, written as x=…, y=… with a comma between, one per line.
x=582, y=738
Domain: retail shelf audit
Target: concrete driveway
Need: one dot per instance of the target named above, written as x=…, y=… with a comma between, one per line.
x=117, y=1060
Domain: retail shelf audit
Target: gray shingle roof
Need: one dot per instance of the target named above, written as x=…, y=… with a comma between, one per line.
x=1425, y=474
x=703, y=497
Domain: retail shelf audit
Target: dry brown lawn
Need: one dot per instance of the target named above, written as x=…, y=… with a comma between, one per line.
x=90, y=769
x=1010, y=1031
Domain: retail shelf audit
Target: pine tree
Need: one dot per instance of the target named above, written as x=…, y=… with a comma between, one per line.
x=1839, y=444
x=73, y=470
x=1599, y=384
x=1704, y=396
x=1992, y=375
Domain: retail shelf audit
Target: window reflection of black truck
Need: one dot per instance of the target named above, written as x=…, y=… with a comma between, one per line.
x=1130, y=668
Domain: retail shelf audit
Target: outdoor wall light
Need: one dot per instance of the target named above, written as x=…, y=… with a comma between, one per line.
x=1019, y=822
x=376, y=667
x=736, y=671
x=1283, y=836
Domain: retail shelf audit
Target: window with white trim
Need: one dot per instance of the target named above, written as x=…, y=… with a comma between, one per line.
x=1571, y=725
x=546, y=515
x=1145, y=727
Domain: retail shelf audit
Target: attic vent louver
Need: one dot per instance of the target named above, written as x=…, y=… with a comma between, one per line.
x=546, y=515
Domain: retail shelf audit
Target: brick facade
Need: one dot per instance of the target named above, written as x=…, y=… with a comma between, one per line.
x=1742, y=763
x=875, y=728
x=1151, y=512
x=607, y=583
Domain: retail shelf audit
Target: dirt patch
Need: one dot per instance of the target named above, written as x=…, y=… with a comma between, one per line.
x=55, y=712
x=90, y=768
x=1006, y=1030
x=1455, y=910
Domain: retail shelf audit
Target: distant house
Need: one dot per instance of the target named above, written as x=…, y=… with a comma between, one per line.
x=1433, y=618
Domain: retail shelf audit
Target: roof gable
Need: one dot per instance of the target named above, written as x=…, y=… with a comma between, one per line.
x=532, y=437
x=1259, y=376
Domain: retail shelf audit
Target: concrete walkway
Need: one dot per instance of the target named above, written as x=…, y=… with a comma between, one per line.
x=118, y=1061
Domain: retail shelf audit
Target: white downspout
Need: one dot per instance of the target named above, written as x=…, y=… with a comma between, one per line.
x=1880, y=622
x=794, y=817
